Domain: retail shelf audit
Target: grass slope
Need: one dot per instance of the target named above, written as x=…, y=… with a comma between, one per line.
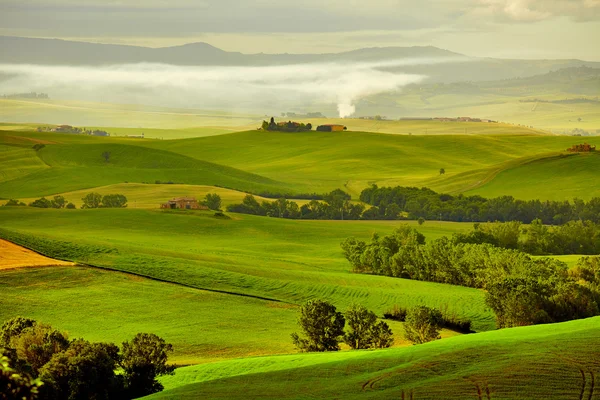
x=290, y=261
x=202, y=325
x=554, y=178
x=558, y=361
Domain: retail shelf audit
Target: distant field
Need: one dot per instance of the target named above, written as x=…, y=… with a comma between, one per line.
x=138, y=118
x=558, y=361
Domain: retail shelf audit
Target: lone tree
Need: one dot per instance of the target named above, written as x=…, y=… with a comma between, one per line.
x=322, y=325
x=143, y=360
x=423, y=325
x=213, y=201
x=106, y=156
x=364, y=331
x=442, y=171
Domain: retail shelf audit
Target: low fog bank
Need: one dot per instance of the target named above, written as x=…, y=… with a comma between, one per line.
x=264, y=90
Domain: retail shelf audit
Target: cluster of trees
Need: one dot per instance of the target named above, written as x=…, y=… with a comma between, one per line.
x=574, y=237
x=55, y=202
x=323, y=328
x=520, y=289
x=40, y=362
x=336, y=205
x=91, y=200
x=96, y=200
x=412, y=203
x=289, y=126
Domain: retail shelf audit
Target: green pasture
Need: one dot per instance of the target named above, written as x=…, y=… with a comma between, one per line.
x=275, y=162
x=286, y=260
x=558, y=361
x=556, y=178
x=203, y=326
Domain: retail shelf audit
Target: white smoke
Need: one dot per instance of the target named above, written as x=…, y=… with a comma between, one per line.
x=250, y=88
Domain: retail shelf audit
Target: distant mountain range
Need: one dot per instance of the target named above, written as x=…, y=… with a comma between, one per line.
x=18, y=50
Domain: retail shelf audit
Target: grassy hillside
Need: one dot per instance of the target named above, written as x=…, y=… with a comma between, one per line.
x=282, y=162
x=554, y=178
x=556, y=361
x=202, y=325
x=285, y=260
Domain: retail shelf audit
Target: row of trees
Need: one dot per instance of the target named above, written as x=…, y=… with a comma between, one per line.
x=412, y=203
x=336, y=205
x=91, y=200
x=520, y=289
x=323, y=325
x=574, y=237
x=40, y=362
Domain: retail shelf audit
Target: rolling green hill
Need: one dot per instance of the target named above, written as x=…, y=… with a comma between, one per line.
x=258, y=161
x=558, y=361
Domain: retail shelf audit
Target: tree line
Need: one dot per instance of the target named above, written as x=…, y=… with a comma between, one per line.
x=414, y=203
x=91, y=200
x=38, y=361
x=336, y=205
x=574, y=237
x=521, y=290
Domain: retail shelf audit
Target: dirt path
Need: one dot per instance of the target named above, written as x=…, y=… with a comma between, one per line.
x=14, y=256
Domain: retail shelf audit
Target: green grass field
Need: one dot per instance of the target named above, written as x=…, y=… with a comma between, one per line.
x=226, y=291
x=558, y=361
x=292, y=162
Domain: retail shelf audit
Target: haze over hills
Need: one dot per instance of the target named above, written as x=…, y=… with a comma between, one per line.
x=19, y=50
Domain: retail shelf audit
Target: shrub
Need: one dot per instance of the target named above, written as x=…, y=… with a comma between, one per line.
x=114, y=201
x=423, y=325
x=322, y=325
x=15, y=385
x=71, y=206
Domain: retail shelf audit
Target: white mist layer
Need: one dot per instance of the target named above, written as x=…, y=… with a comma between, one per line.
x=267, y=88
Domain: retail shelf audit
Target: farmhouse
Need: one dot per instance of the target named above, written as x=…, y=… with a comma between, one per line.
x=331, y=128
x=582, y=148
x=186, y=203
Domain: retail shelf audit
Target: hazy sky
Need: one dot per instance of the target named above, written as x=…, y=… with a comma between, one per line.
x=501, y=28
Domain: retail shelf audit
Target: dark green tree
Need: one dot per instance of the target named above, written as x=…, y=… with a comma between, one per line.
x=143, y=359
x=83, y=371
x=423, y=324
x=92, y=200
x=322, y=325
x=41, y=203
x=114, y=201
x=58, y=202
x=12, y=328
x=213, y=201
x=364, y=331
x=37, y=344
x=106, y=156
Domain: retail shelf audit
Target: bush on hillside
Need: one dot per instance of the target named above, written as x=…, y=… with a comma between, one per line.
x=114, y=201
x=213, y=201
